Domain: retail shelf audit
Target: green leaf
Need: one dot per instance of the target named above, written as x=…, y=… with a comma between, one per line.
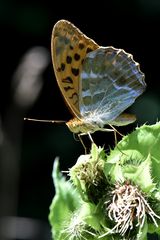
x=141, y=176
x=142, y=233
x=65, y=202
x=137, y=158
x=87, y=174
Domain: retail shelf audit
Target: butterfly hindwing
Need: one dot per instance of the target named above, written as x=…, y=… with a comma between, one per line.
x=110, y=82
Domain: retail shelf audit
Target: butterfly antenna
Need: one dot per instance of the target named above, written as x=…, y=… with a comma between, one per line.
x=44, y=121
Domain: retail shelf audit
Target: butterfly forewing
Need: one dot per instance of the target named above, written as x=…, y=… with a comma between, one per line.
x=110, y=82
x=69, y=48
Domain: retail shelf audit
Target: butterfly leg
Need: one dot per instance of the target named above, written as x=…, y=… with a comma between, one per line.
x=81, y=140
x=90, y=137
x=113, y=129
x=116, y=131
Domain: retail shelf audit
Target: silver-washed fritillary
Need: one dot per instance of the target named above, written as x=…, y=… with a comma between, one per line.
x=97, y=83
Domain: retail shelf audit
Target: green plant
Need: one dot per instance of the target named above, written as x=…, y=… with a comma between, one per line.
x=111, y=196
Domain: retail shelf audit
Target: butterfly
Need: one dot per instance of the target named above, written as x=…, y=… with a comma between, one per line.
x=97, y=83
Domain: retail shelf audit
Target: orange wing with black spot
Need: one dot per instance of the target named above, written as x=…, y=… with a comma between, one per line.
x=69, y=47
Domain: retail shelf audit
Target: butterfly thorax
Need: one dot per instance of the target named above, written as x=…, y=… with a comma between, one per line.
x=82, y=126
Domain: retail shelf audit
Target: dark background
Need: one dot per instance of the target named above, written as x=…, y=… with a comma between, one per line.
x=131, y=25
